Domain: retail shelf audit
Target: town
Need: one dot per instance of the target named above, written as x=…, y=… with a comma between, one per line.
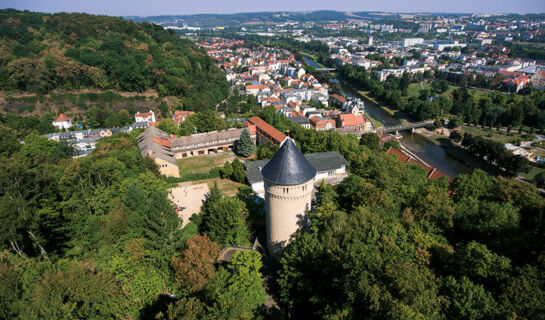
x=374, y=164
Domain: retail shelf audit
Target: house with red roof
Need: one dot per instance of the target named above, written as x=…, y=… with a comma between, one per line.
x=62, y=122
x=145, y=117
x=255, y=88
x=319, y=123
x=180, y=116
x=350, y=120
x=337, y=99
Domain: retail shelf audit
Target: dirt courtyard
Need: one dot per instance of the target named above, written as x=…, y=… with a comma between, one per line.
x=188, y=199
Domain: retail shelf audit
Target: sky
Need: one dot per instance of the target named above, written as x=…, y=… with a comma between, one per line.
x=181, y=7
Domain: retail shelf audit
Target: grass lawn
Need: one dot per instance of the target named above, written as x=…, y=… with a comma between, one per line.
x=227, y=187
x=492, y=134
x=375, y=122
x=366, y=95
x=415, y=88
x=189, y=231
x=204, y=163
x=308, y=55
x=537, y=152
x=531, y=173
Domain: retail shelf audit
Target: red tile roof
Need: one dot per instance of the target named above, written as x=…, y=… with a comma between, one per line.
x=62, y=118
x=339, y=98
x=431, y=173
x=252, y=128
x=400, y=155
x=183, y=113
x=163, y=142
x=350, y=120
x=436, y=174
x=144, y=115
x=259, y=87
x=321, y=123
x=267, y=131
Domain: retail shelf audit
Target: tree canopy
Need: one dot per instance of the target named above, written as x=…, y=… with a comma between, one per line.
x=43, y=52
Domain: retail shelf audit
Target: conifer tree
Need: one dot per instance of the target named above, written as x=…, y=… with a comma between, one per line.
x=244, y=146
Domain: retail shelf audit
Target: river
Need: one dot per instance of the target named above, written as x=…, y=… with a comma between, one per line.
x=431, y=153
x=371, y=108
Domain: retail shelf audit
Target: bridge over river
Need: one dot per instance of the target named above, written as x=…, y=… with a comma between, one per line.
x=326, y=69
x=406, y=126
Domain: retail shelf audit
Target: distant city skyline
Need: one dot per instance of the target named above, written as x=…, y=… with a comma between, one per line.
x=171, y=7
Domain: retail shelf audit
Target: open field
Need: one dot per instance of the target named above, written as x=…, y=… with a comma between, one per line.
x=226, y=186
x=415, y=88
x=531, y=173
x=203, y=164
x=511, y=137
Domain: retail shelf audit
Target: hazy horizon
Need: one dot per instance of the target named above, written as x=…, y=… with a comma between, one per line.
x=169, y=7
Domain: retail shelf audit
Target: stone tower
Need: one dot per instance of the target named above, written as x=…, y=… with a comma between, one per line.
x=289, y=179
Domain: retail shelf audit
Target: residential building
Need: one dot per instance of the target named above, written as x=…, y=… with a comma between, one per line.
x=145, y=117
x=538, y=79
x=349, y=120
x=62, y=122
x=410, y=42
x=319, y=123
x=337, y=100
x=180, y=116
x=301, y=120
x=205, y=143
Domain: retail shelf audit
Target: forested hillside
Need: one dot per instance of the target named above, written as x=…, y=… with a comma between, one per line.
x=44, y=52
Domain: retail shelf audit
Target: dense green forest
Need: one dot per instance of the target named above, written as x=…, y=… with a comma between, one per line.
x=44, y=52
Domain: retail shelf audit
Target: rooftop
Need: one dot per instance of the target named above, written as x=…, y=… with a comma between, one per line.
x=321, y=162
x=267, y=128
x=288, y=166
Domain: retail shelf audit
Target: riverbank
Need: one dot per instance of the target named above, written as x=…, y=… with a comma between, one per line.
x=401, y=116
x=469, y=160
x=313, y=60
x=378, y=115
x=428, y=149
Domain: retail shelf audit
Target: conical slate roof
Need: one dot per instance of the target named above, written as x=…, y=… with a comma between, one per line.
x=288, y=166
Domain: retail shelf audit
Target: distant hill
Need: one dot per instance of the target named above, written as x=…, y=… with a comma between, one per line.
x=207, y=20
x=44, y=52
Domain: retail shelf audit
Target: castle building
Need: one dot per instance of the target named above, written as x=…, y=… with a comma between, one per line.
x=289, y=180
